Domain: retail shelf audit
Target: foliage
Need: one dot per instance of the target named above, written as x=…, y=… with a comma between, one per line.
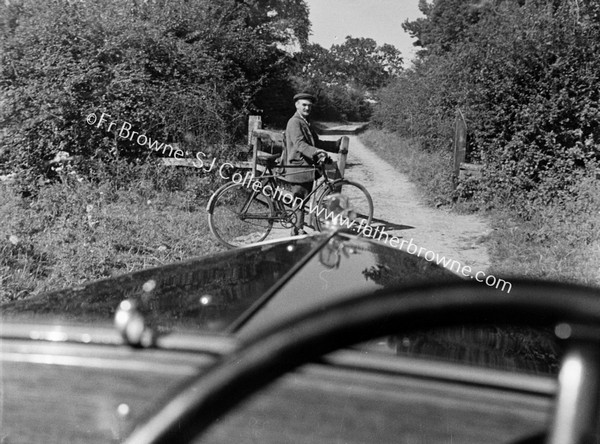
x=339, y=102
x=525, y=74
x=346, y=75
x=176, y=71
x=286, y=21
x=427, y=169
x=559, y=242
x=445, y=24
x=535, y=121
x=357, y=61
x=367, y=64
x=419, y=103
x=130, y=217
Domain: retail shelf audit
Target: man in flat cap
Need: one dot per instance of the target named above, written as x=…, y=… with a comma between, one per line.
x=303, y=150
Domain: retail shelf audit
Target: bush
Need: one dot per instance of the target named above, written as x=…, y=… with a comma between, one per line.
x=430, y=170
x=419, y=104
x=525, y=76
x=534, y=112
x=183, y=72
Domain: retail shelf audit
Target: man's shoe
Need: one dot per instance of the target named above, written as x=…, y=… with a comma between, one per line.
x=297, y=232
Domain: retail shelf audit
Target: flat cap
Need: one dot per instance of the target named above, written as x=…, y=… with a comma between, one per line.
x=305, y=96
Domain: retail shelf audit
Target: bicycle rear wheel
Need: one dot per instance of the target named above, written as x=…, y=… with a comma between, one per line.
x=239, y=216
x=360, y=201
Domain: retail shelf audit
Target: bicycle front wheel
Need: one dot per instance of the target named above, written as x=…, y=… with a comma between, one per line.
x=360, y=201
x=239, y=216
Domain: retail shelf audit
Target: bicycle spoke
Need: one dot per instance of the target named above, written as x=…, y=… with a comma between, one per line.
x=359, y=199
x=238, y=216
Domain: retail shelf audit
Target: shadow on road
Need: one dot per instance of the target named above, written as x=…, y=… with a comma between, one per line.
x=389, y=225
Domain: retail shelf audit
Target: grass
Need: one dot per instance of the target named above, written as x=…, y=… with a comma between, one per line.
x=559, y=242
x=80, y=230
x=122, y=217
x=429, y=170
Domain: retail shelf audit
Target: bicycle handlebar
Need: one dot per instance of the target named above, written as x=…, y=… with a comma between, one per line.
x=323, y=159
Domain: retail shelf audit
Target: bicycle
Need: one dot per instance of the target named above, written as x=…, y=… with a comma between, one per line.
x=241, y=213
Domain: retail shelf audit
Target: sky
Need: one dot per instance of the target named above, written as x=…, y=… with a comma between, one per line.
x=381, y=20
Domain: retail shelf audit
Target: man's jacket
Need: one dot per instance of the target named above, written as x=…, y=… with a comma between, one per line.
x=301, y=143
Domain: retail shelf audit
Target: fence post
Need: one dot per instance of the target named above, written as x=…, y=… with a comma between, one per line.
x=254, y=122
x=343, y=154
x=460, y=144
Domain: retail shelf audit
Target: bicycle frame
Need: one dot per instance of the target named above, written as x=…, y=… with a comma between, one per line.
x=250, y=215
x=271, y=180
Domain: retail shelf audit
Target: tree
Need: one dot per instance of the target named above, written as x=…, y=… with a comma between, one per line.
x=358, y=62
x=286, y=20
x=446, y=23
x=365, y=64
x=346, y=75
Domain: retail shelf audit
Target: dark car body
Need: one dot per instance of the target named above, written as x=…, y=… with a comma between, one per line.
x=67, y=375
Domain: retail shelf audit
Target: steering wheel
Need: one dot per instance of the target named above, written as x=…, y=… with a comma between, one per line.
x=573, y=310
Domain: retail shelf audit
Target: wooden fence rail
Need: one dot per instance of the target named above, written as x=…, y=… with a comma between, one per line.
x=263, y=142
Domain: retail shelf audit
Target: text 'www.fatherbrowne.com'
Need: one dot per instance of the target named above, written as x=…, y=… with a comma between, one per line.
x=362, y=227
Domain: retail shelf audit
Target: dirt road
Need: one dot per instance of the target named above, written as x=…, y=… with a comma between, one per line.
x=396, y=201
